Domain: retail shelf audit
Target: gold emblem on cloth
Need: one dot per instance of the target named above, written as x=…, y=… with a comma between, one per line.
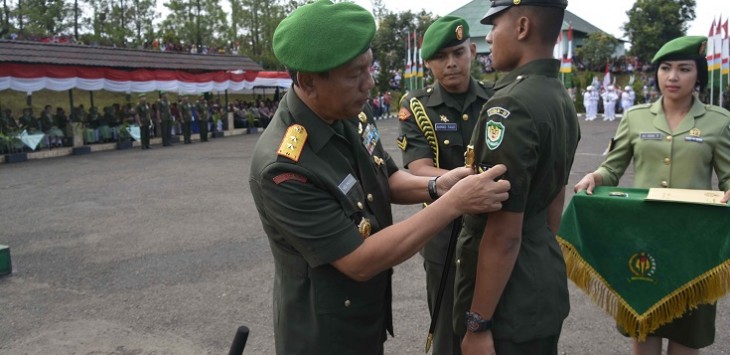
x=293, y=142
x=695, y=132
x=469, y=156
x=444, y=118
x=364, y=227
x=363, y=117
x=459, y=32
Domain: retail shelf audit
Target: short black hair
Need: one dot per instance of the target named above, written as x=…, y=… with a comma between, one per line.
x=293, y=75
x=549, y=21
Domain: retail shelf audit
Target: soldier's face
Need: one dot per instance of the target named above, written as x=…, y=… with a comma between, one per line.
x=343, y=92
x=452, y=66
x=677, y=79
x=502, y=39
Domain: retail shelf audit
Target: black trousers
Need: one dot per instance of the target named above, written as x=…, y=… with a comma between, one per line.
x=144, y=132
x=203, y=131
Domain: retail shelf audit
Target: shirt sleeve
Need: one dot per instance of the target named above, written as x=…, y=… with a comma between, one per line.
x=506, y=134
x=416, y=146
x=721, y=159
x=619, y=156
x=307, y=215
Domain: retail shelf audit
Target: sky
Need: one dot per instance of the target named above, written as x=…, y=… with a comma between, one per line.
x=609, y=16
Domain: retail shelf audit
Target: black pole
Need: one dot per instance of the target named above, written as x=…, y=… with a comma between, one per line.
x=239, y=342
x=76, y=20
x=29, y=99
x=197, y=30
x=71, y=102
x=91, y=98
x=20, y=15
x=124, y=36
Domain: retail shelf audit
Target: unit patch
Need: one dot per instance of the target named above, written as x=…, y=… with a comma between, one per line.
x=404, y=114
x=494, y=134
x=499, y=111
x=293, y=142
x=402, y=142
x=284, y=177
x=446, y=127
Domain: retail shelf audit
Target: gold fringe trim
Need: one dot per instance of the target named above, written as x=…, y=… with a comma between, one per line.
x=706, y=288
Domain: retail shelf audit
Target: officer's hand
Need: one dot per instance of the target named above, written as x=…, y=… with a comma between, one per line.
x=587, y=183
x=446, y=181
x=481, y=193
x=726, y=198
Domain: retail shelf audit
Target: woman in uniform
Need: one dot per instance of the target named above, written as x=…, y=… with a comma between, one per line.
x=675, y=142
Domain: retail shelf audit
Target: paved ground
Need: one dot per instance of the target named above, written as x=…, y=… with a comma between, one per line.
x=161, y=252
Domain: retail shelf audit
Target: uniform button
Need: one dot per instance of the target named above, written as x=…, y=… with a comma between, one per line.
x=465, y=117
x=458, y=262
x=667, y=161
x=519, y=77
x=359, y=205
x=347, y=303
x=370, y=197
x=665, y=183
x=446, y=141
x=669, y=138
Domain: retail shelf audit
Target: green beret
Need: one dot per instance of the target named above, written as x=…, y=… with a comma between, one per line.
x=498, y=6
x=321, y=36
x=445, y=32
x=687, y=47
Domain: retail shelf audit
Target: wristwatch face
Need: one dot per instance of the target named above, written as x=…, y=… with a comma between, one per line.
x=475, y=323
x=472, y=325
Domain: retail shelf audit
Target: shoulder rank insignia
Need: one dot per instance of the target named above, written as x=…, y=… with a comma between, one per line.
x=402, y=142
x=403, y=114
x=293, y=142
x=499, y=111
x=362, y=117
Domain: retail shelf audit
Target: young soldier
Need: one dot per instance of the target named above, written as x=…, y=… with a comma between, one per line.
x=323, y=184
x=165, y=119
x=509, y=260
x=186, y=113
x=142, y=116
x=203, y=117
x=436, y=126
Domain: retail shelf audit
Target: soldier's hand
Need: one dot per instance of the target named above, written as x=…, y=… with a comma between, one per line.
x=481, y=193
x=727, y=197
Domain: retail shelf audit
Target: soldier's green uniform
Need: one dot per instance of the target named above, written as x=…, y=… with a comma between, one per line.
x=186, y=111
x=164, y=113
x=203, y=118
x=435, y=123
x=144, y=121
x=531, y=126
x=28, y=122
x=320, y=189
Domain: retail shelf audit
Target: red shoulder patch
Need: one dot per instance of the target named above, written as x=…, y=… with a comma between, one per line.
x=281, y=178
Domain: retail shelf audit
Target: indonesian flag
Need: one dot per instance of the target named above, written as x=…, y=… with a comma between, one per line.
x=566, y=65
x=407, y=74
x=710, y=56
x=606, y=78
x=717, y=59
x=558, y=49
x=725, y=49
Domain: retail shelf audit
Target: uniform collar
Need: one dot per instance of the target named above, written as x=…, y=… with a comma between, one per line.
x=440, y=96
x=688, y=122
x=544, y=67
x=318, y=131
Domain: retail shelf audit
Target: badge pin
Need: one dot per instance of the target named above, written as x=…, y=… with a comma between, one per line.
x=469, y=156
x=695, y=132
x=444, y=118
x=459, y=32
x=364, y=228
x=363, y=117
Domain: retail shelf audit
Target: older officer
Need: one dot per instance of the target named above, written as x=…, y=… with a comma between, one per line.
x=323, y=184
x=142, y=116
x=186, y=112
x=509, y=260
x=436, y=125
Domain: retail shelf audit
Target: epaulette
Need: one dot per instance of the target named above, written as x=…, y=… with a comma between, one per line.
x=293, y=142
x=718, y=109
x=639, y=106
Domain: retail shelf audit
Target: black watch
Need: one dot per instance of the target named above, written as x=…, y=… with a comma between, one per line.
x=432, y=188
x=475, y=323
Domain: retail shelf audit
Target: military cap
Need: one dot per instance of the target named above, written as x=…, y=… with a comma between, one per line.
x=687, y=47
x=498, y=6
x=447, y=31
x=321, y=36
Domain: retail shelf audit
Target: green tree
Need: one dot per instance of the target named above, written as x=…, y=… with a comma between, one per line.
x=389, y=45
x=43, y=17
x=197, y=22
x=597, y=49
x=253, y=25
x=654, y=22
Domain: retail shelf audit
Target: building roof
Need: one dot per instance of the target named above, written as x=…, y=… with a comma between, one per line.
x=475, y=10
x=119, y=58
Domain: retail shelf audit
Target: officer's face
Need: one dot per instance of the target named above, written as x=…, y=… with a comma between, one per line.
x=502, y=39
x=677, y=79
x=343, y=92
x=452, y=66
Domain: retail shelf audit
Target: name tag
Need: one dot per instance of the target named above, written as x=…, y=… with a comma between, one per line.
x=694, y=139
x=346, y=185
x=446, y=127
x=651, y=136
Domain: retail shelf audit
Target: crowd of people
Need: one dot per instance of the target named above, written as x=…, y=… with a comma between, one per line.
x=113, y=123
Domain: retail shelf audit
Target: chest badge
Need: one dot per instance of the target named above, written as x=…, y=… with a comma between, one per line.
x=695, y=132
x=494, y=134
x=444, y=118
x=362, y=117
x=469, y=156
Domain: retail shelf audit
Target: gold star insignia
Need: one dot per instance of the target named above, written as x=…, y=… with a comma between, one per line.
x=444, y=118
